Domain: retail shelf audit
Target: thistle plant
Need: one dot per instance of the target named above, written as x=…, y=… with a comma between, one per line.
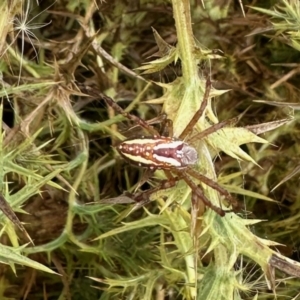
x=59, y=162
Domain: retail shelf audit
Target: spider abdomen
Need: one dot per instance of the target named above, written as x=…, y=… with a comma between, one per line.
x=160, y=152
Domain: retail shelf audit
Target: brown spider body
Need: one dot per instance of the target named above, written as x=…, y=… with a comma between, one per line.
x=172, y=155
x=158, y=153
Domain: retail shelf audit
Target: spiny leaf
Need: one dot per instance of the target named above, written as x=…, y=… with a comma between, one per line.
x=291, y=174
x=229, y=140
x=164, y=47
x=241, y=191
x=265, y=127
x=151, y=220
x=10, y=214
x=12, y=256
x=295, y=106
x=158, y=64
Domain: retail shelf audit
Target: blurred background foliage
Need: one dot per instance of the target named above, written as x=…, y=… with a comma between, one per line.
x=57, y=145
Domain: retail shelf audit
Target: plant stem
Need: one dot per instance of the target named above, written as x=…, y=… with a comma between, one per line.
x=186, y=44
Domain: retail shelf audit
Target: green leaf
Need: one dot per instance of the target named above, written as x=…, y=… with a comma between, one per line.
x=152, y=220
x=11, y=256
x=230, y=139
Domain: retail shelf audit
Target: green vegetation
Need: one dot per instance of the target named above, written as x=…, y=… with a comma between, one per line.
x=57, y=160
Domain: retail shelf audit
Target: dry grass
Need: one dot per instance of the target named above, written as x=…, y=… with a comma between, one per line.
x=57, y=159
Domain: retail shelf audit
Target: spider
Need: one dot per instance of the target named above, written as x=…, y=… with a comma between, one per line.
x=173, y=155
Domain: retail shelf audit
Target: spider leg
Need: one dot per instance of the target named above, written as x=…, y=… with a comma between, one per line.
x=160, y=119
x=167, y=127
x=166, y=124
x=157, y=120
x=197, y=210
x=109, y=101
x=198, y=113
x=212, y=129
x=215, y=186
x=147, y=174
x=143, y=198
x=199, y=193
